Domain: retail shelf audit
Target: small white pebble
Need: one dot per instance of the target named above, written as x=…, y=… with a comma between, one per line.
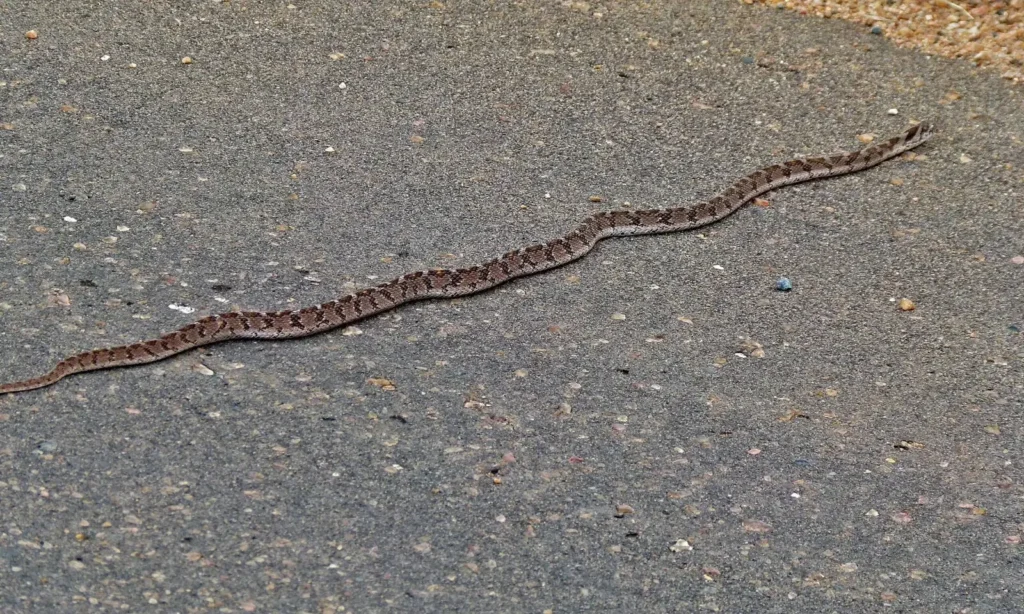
x=133, y=65
x=342, y=86
x=893, y=112
x=202, y=369
x=68, y=218
x=181, y=308
x=329, y=150
x=123, y=229
x=105, y=58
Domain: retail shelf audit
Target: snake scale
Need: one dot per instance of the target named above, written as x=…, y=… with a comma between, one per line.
x=442, y=283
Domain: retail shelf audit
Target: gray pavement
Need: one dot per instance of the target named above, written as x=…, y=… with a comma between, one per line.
x=528, y=449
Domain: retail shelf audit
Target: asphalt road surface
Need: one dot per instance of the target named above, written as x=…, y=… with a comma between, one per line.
x=654, y=428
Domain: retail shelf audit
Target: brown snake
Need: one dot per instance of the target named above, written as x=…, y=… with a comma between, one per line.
x=459, y=282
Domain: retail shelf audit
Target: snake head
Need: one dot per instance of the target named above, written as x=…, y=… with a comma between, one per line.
x=921, y=132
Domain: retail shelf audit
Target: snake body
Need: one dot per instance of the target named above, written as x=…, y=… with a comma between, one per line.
x=447, y=283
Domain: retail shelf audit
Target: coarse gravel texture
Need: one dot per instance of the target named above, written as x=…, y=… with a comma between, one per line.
x=988, y=33
x=654, y=428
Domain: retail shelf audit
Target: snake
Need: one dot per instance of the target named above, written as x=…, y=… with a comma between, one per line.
x=449, y=283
